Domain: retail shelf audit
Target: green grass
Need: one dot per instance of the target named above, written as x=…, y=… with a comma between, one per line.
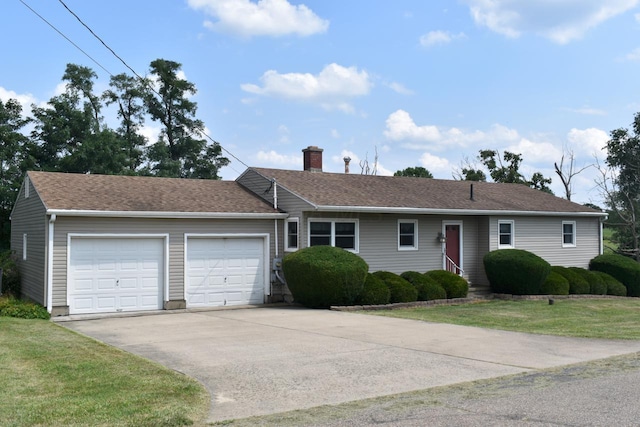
x=50, y=376
x=591, y=318
x=607, y=239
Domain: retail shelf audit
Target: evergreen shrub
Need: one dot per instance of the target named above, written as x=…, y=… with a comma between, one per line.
x=626, y=270
x=400, y=290
x=11, y=282
x=614, y=286
x=596, y=285
x=322, y=276
x=577, y=285
x=555, y=284
x=374, y=292
x=428, y=289
x=454, y=285
x=515, y=271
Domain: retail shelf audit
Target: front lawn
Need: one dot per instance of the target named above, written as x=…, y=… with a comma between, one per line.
x=50, y=376
x=591, y=318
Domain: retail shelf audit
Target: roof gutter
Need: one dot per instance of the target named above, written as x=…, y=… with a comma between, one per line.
x=465, y=212
x=169, y=215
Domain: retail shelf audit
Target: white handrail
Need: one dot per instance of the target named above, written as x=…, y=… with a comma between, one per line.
x=451, y=266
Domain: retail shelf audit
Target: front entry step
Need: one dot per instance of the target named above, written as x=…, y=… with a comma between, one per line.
x=479, y=291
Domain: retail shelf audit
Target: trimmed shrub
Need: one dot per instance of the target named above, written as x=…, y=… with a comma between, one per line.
x=322, y=276
x=614, y=286
x=428, y=289
x=11, y=283
x=454, y=285
x=400, y=290
x=374, y=292
x=515, y=271
x=622, y=268
x=577, y=285
x=13, y=307
x=555, y=284
x=596, y=285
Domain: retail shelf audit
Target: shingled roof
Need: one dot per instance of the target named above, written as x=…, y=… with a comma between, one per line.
x=116, y=193
x=354, y=192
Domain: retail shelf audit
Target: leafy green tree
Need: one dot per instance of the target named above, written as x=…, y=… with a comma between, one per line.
x=507, y=170
x=13, y=162
x=180, y=151
x=623, y=192
x=418, y=172
x=473, y=175
x=128, y=94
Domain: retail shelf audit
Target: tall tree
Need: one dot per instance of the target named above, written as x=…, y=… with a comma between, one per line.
x=507, y=170
x=128, y=94
x=469, y=171
x=417, y=171
x=180, y=151
x=567, y=171
x=13, y=160
x=622, y=187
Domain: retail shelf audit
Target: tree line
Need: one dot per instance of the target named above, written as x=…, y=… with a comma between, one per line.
x=70, y=134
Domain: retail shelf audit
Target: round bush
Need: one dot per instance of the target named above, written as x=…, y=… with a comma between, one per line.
x=428, y=289
x=374, y=292
x=622, y=268
x=596, y=285
x=514, y=271
x=454, y=285
x=322, y=276
x=577, y=285
x=555, y=284
x=614, y=286
x=400, y=290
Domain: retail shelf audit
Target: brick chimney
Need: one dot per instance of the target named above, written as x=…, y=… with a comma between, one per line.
x=312, y=157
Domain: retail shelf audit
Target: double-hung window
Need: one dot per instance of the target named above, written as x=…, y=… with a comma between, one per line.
x=291, y=233
x=568, y=234
x=407, y=235
x=506, y=234
x=341, y=233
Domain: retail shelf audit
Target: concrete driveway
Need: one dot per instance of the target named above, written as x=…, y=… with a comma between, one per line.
x=269, y=360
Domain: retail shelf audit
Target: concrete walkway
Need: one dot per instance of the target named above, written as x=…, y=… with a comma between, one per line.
x=269, y=360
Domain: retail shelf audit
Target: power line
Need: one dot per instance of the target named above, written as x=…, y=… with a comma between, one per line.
x=137, y=75
x=66, y=38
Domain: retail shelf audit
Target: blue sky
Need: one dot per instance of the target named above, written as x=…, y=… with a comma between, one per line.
x=423, y=83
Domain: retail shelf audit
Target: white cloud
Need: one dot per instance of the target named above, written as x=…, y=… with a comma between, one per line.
x=535, y=152
x=634, y=55
x=561, y=21
x=400, y=126
x=246, y=18
x=25, y=99
x=433, y=38
x=588, y=111
x=273, y=158
x=435, y=164
x=400, y=88
x=329, y=88
x=588, y=142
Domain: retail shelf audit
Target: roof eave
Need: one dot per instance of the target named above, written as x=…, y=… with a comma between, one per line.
x=466, y=212
x=169, y=215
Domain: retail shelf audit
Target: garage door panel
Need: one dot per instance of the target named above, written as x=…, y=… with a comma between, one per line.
x=232, y=270
x=120, y=274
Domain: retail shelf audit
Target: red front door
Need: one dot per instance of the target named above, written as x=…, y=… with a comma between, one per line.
x=452, y=234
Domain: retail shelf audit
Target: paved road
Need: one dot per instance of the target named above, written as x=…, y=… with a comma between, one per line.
x=271, y=360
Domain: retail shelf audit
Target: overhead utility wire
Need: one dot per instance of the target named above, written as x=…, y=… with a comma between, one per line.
x=134, y=72
x=67, y=38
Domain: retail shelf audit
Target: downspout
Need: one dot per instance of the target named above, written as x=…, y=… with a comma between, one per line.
x=276, y=271
x=52, y=220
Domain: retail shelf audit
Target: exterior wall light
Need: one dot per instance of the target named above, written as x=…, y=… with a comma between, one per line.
x=441, y=238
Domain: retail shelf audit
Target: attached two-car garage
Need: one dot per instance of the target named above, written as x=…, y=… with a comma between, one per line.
x=129, y=273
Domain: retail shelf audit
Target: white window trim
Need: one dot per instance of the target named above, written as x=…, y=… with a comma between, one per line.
x=333, y=231
x=24, y=247
x=415, y=235
x=287, y=248
x=568, y=245
x=513, y=233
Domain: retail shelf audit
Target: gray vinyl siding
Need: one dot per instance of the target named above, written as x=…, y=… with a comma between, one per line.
x=543, y=237
x=175, y=228
x=378, y=241
x=480, y=276
x=29, y=217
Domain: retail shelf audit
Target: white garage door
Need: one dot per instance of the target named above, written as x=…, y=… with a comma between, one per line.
x=224, y=271
x=115, y=274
